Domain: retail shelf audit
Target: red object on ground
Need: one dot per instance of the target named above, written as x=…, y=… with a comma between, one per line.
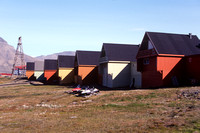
x=76, y=89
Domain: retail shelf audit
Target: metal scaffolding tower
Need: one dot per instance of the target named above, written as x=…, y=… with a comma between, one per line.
x=19, y=63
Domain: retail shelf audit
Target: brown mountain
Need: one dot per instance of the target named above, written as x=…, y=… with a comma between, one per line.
x=54, y=56
x=7, y=56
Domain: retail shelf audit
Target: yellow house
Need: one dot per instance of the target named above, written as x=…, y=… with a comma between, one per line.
x=118, y=66
x=66, y=69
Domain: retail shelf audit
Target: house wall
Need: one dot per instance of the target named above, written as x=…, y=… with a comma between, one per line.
x=39, y=75
x=49, y=73
x=162, y=71
x=51, y=76
x=151, y=79
x=87, y=75
x=39, y=66
x=167, y=64
x=119, y=75
x=152, y=64
x=29, y=73
x=172, y=69
x=102, y=74
x=136, y=76
x=66, y=75
x=193, y=68
x=150, y=76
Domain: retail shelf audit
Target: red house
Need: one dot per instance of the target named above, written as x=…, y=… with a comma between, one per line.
x=50, y=71
x=164, y=59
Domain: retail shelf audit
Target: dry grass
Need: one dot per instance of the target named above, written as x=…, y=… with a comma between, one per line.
x=4, y=80
x=28, y=108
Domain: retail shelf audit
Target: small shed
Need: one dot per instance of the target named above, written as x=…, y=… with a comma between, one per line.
x=66, y=69
x=39, y=70
x=86, y=67
x=117, y=66
x=30, y=70
x=50, y=71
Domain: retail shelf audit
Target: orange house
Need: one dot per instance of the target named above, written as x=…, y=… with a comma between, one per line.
x=86, y=67
x=30, y=70
x=50, y=71
x=161, y=58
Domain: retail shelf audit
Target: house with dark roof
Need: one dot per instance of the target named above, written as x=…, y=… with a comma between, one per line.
x=86, y=67
x=162, y=59
x=39, y=70
x=30, y=70
x=118, y=66
x=66, y=69
x=50, y=71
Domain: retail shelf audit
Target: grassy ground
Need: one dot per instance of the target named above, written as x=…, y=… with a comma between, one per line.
x=4, y=80
x=28, y=108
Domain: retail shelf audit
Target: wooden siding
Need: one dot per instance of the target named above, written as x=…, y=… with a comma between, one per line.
x=193, y=67
x=151, y=79
x=152, y=64
x=51, y=76
x=136, y=76
x=162, y=71
x=39, y=75
x=146, y=53
x=119, y=75
x=49, y=73
x=86, y=75
x=66, y=75
x=167, y=64
x=29, y=73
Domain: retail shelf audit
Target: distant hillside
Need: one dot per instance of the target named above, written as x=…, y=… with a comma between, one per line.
x=54, y=56
x=7, y=56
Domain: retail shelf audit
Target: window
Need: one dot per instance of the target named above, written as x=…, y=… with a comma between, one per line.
x=146, y=61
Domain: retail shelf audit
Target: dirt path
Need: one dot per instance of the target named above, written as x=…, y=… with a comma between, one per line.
x=15, y=83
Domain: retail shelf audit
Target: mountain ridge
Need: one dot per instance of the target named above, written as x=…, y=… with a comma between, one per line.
x=55, y=55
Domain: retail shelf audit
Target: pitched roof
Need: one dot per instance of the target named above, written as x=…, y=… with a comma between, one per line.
x=66, y=61
x=39, y=65
x=87, y=57
x=50, y=64
x=179, y=44
x=120, y=52
x=30, y=65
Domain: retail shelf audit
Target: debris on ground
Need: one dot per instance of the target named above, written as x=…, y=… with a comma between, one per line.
x=73, y=117
x=47, y=105
x=188, y=94
x=86, y=101
x=25, y=106
x=84, y=91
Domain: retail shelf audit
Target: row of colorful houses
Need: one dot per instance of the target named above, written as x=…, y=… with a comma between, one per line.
x=161, y=60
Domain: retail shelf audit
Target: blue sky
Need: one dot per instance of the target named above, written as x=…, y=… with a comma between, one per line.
x=52, y=26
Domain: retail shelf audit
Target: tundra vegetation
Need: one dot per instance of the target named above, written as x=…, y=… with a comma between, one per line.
x=44, y=108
